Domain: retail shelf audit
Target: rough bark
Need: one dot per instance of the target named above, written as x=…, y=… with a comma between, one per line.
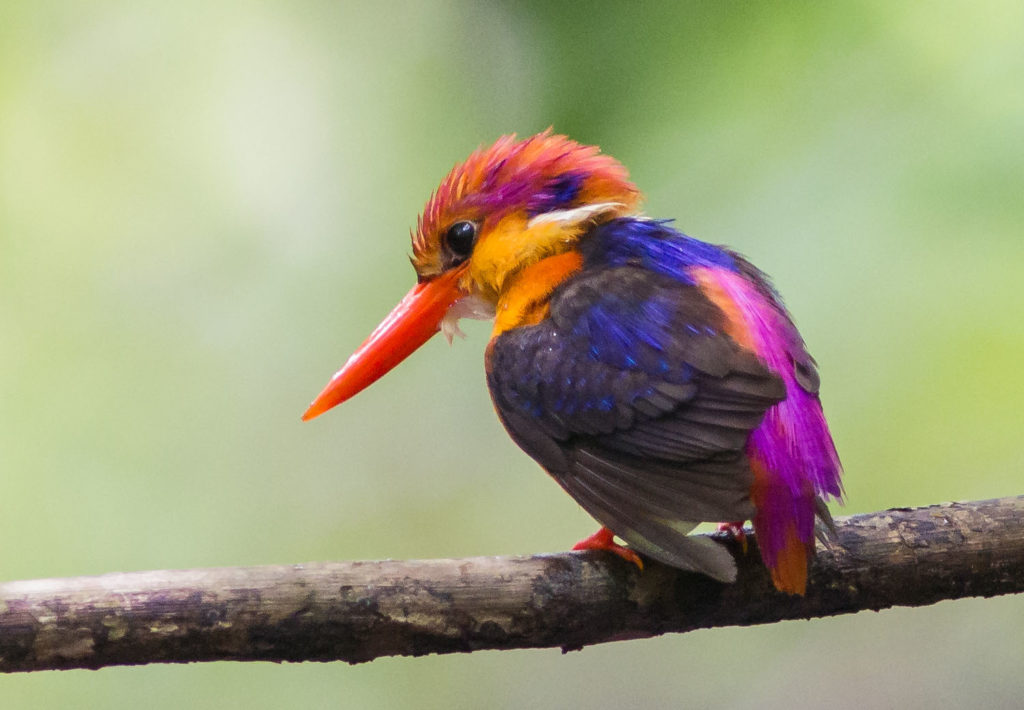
x=358, y=611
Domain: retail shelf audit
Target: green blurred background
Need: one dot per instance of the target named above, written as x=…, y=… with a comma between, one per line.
x=205, y=206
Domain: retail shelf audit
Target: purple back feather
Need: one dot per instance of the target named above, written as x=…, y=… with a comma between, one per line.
x=793, y=441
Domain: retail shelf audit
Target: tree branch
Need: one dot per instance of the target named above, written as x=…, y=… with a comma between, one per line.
x=358, y=611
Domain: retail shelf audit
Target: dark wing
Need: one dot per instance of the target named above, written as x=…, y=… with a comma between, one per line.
x=633, y=398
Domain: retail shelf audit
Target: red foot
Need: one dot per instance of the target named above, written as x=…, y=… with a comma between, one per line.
x=736, y=532
x=603, y=539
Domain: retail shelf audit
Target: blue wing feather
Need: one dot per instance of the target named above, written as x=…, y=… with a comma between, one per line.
x=637, y=403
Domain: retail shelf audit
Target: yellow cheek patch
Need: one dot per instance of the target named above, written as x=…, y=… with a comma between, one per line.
x=512, y=245
x=527, y=297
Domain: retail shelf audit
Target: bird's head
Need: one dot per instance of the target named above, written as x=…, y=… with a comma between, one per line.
x=506, y=207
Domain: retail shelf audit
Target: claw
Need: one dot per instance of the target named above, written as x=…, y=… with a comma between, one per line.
x=603, y=539
x=736, y=532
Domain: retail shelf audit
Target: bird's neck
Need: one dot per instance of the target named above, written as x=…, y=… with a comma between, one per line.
x=527, y=293
x=518, y=240
x=512, y=246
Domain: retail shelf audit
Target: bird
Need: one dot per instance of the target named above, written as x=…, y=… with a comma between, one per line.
x=657, y=378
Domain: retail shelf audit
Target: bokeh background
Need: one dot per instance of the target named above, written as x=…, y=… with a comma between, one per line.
x=205, y=206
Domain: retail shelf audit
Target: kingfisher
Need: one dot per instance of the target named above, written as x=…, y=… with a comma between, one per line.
x=657, y=378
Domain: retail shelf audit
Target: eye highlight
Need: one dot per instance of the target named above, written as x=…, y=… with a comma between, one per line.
x=460, y=238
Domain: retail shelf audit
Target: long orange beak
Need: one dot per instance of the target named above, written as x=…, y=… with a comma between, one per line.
x=412, y=322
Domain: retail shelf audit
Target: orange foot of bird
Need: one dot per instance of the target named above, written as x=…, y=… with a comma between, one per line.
x=603, y=539
x=736, y=532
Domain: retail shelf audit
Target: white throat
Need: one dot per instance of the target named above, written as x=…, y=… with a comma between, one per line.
x=472, y=306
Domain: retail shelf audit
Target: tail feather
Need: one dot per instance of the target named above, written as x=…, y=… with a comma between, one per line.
x=784, y=523
x=789, y=568
x=791, y=452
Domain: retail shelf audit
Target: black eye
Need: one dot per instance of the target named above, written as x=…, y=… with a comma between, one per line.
x=459, y=238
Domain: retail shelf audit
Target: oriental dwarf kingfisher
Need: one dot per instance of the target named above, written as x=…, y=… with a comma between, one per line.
x=657, y=378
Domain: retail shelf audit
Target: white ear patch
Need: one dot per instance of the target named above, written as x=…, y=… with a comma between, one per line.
x=473, y=307
x=574, y=215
